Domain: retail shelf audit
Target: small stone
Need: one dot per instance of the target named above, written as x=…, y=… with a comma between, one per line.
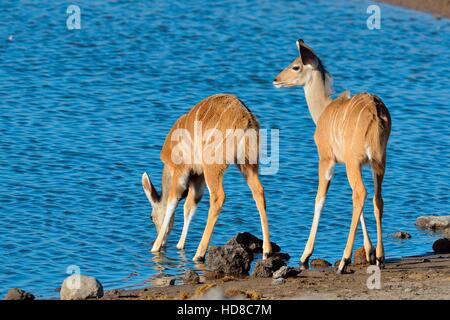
x=433, y=222
x=320, y=264
x=426, y=260
x=278, y=281
x=447, y=233
x=265, y=268
x=360, y=257
x=441, y=246
x=18, y=294
x=408, y=290
x=231, y=260
x=191, y=277
x=402, y=235
x=286, y=272
x=80, y=287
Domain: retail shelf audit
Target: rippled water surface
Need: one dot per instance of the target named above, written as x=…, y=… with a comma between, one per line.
x=85, y=112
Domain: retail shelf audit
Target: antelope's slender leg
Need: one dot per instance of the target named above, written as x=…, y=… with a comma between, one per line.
x=368, y=247
x=359, y=196
x=250, y=172
x=326, y=168
x=378, y=205
x=176, y=190
x=214, y=180
x=195, y=193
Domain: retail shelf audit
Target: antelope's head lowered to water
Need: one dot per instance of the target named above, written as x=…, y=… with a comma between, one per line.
x=157, y=201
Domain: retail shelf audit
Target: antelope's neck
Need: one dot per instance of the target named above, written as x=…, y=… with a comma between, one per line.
x=166, y=183
x=317, y=95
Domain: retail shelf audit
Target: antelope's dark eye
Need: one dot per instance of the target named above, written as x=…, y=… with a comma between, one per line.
x=296, y=68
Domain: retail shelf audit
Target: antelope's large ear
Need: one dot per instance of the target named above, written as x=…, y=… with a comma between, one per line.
x=149, y=189
x=306, y=53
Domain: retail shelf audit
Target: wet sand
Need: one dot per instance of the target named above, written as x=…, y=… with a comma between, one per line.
x=424, y=277
x=440, y=8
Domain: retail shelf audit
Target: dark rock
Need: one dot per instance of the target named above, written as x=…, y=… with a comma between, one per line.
x=433, y=222
x=360, y=257
x=280, y=255
x=250, y=242
x=402, y=235
x=234, y=260
x=286, y=272
x=320, y=264
x=441, y=246
x=265, y=268
x=192, y=277
x=18, y=294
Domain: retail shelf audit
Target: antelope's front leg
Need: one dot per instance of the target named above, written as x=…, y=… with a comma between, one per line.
x=195, y=193
x=214, y=181
x=326, y=168
x=163, y=232
x=176, y=190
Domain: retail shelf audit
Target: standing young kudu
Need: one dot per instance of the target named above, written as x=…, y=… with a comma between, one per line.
x=192, y=159
x=353, y=131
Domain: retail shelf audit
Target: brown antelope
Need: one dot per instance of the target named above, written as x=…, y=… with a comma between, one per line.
x=220, y=115
x=349, y=130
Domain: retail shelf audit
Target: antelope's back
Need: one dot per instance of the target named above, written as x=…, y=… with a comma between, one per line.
x=347, y=125
x=216, y=114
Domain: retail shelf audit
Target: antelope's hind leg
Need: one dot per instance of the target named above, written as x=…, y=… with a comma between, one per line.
x=368, y=247
x=359, y=196
x=250, y=172
x=378, y=205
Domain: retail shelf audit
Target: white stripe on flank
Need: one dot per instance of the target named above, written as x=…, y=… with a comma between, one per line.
x=369, y=153
x=330, y=173
x=217, y=123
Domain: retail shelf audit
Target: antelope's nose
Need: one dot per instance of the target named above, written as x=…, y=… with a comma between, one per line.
x=275, y=79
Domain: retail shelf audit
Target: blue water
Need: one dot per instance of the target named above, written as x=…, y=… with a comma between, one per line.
x=85, y=112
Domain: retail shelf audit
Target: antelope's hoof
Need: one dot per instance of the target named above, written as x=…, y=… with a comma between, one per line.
x=342, y=269
x=380, y=262
x=198, y=259
x=156, y=248
x=304, y=265
x=266, y=255
x=371, y=259
x=180, y=246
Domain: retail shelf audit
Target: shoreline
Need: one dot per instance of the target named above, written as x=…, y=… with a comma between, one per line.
x=439, y=8
x=417, y=277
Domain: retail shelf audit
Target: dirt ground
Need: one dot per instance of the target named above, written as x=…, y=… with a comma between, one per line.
x=440, y=8
x=425, y=277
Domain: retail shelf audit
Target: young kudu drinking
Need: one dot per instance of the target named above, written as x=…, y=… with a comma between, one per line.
x=192, y=160
x=353, y=131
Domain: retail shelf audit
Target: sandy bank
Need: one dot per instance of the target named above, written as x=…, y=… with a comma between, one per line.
x=440, y=8
x=425, y=277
